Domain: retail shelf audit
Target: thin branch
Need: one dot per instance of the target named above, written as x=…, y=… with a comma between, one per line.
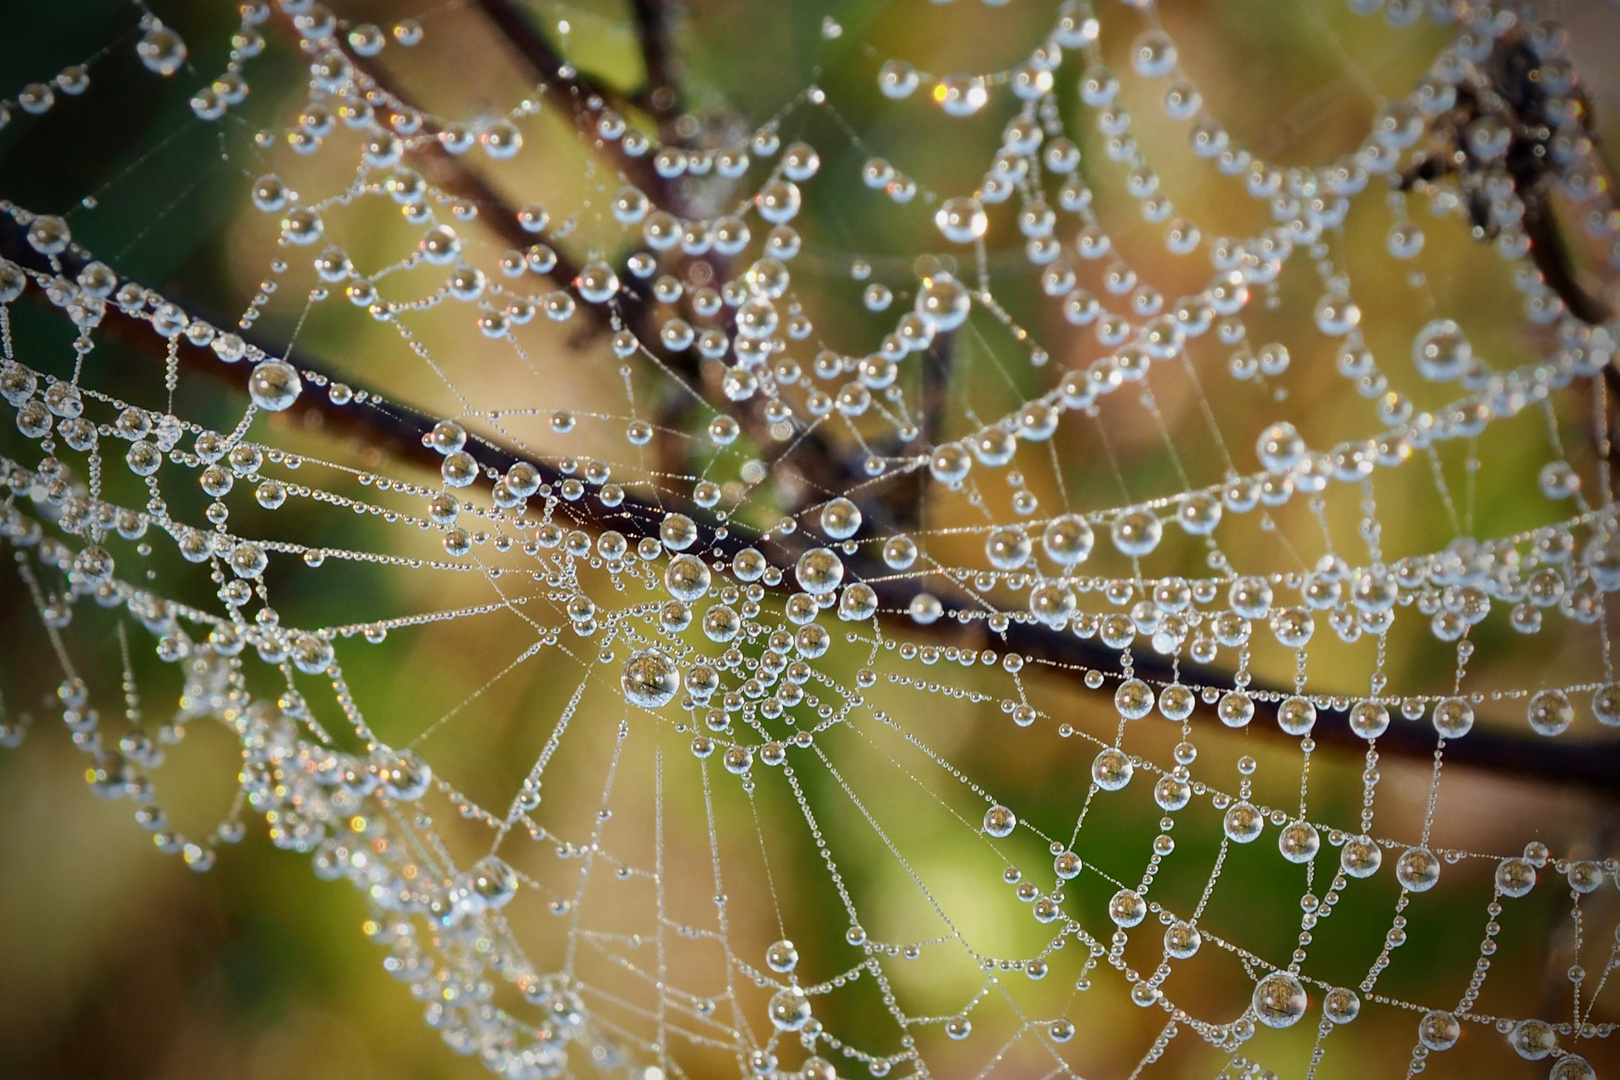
x=582, y=98
x=455, y=176
x=1594, y=767
x=452, y=175
x=824, y=470
x=661, y=96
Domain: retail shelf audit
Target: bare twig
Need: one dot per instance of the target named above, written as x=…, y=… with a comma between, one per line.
x=400, y=432
x=823, y=470
x=661, y=97
x=563, y=84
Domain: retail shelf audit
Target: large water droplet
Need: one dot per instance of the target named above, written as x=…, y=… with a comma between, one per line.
x=162, y=50
x=274, y=385
x=650, y=678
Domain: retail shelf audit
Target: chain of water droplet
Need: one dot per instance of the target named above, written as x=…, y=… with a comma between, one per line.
x=942, y=305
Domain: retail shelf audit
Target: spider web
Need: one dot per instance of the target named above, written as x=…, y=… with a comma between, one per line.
x=1021, y=611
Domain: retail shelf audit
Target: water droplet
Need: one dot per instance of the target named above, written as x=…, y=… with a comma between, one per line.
x=650, y=678
x=819, y=571
x=999, y=821
x=840, y=519
x=1153, y=55
x=1111, y=770
x=1550, y=713
x=1341, y=1005
x=1299, y=842
x=686, y=578
x=943, y=303
x=161, y=50
x=897, y=79
x=1182, y=940
x=274, y=385
x=782, y=956
x=1439, y=1030
x=1440, y=351
x=1243, y=823
x=1417, y=869
x=961, y=219
x=789, y=1009
x=1137, y=531
x=1279, y=1000
x=1127, y=908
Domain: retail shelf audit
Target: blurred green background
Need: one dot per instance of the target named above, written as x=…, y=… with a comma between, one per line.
x=116, y=961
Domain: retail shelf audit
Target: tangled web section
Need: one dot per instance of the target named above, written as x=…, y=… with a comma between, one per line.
x=953, y=577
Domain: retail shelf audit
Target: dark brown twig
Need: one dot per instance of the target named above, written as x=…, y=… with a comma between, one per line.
x=661, y=97
x=582, y=98
x=400, y=433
